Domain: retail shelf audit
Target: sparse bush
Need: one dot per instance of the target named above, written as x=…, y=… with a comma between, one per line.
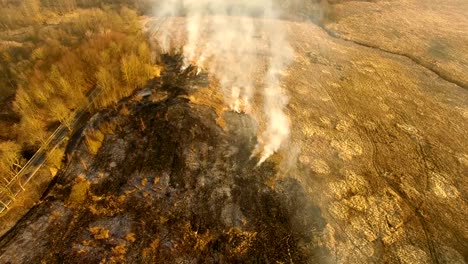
x=10, y=160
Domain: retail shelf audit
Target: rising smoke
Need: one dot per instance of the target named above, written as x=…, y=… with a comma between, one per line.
x=222, y=37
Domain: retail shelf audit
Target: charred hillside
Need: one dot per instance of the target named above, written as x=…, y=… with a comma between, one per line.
x=155, y=179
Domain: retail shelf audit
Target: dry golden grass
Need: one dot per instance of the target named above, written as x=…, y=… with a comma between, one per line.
x=212, y=97
x=108, y=128
x=99, y=232
x=79, y=191
x=151, y=248
x=94, y=141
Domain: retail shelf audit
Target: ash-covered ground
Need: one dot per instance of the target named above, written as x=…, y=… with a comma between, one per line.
x=157, y=180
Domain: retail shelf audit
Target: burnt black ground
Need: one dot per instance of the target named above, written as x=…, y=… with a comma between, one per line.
x=169, y=185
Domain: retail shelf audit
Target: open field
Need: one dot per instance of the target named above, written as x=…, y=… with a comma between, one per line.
x=375, y=170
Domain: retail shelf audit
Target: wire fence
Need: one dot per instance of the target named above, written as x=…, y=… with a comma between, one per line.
x=15, y=186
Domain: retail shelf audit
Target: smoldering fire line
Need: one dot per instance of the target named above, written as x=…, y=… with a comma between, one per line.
x=212, y=27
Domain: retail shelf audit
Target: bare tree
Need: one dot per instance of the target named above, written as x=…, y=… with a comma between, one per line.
x=10, y=162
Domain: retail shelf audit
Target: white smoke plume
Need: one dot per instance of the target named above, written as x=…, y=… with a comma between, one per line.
x=222, y=37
